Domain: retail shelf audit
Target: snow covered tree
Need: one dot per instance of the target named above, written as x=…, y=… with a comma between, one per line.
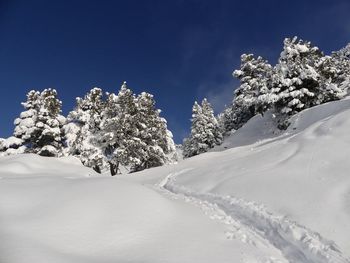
x=120, y=138
x=225, y=120
x=303, y=78
x=48, y=137
x=193, y=145
x=214, y=134
x=252, y=96
x=25, y=124
x=332, y=79
x=39, y=128
x=134, y=135
x=296, y=79
x=153, y=133
x=83, y=130
x=342, y=58
x=20, y=142
x=205, y=130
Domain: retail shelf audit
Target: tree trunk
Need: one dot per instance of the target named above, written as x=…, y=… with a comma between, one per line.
x=97, y=169
x=113, y=168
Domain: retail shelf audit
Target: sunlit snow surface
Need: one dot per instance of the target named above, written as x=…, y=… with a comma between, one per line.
x=263, y=196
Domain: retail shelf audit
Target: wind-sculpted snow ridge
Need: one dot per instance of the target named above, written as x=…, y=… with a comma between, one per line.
x=297, y=243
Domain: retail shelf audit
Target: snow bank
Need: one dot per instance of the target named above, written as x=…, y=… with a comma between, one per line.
x=51, y=212
x=32, y=165
x=264, y=196
x=302, y=173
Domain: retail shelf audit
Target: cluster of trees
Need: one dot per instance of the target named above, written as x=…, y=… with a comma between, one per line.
x=303, y=77
x=104, y=132
x=109, y=130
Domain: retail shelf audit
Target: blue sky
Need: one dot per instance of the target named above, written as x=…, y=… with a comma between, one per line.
x=180, y=50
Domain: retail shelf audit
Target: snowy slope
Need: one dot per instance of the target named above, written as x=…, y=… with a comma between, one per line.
x=58, y=217
x=303, y=173
x=263, y=196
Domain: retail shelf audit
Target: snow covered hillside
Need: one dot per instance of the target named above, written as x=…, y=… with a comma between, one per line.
x=262, y=196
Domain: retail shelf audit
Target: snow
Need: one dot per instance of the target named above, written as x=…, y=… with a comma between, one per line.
x=302, y=48
x=12, y=142
x=262, y=196
x=48, y=215
x=301, y=174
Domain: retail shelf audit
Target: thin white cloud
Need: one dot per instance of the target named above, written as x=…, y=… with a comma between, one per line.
x=218, y=94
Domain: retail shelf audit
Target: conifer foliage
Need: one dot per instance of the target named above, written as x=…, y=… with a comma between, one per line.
x=109, y=131
x=39, y=128
x=104, y=132
x=133, y=133
x=303, y=77
x=205, y=130
x=83, y=127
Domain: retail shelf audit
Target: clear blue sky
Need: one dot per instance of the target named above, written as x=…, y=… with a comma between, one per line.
x=180, y=50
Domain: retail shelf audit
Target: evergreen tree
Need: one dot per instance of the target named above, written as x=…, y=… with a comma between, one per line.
x=134, y=135
x=225, y=120
x=25, y=124
x=83, y=130
x=332, y=79
x=213, y=132
x=336, y=71
x=48, y=136
x=153, y=133
x=252, y=96
x=192, y=145
x=303, y=78
x=296, y=80
x=205, y=130
x=39, y=128
x=120, y=136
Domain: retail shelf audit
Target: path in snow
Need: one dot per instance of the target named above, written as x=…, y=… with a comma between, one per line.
x=253, y=224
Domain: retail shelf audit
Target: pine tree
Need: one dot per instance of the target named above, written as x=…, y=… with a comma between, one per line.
x=252, y=96
x=134, y=134
x=213, y=132
x=48, y=137
x=39, y=128
x=192, y=145
x=336, y=73
x=296, y=79
x=83, y=130
x=205, y=130
x=21, y=141
x=332, y=78
x=25, y=124
x=153, y=133
x=120, y=136
x=303, y=78
x=225, y=120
